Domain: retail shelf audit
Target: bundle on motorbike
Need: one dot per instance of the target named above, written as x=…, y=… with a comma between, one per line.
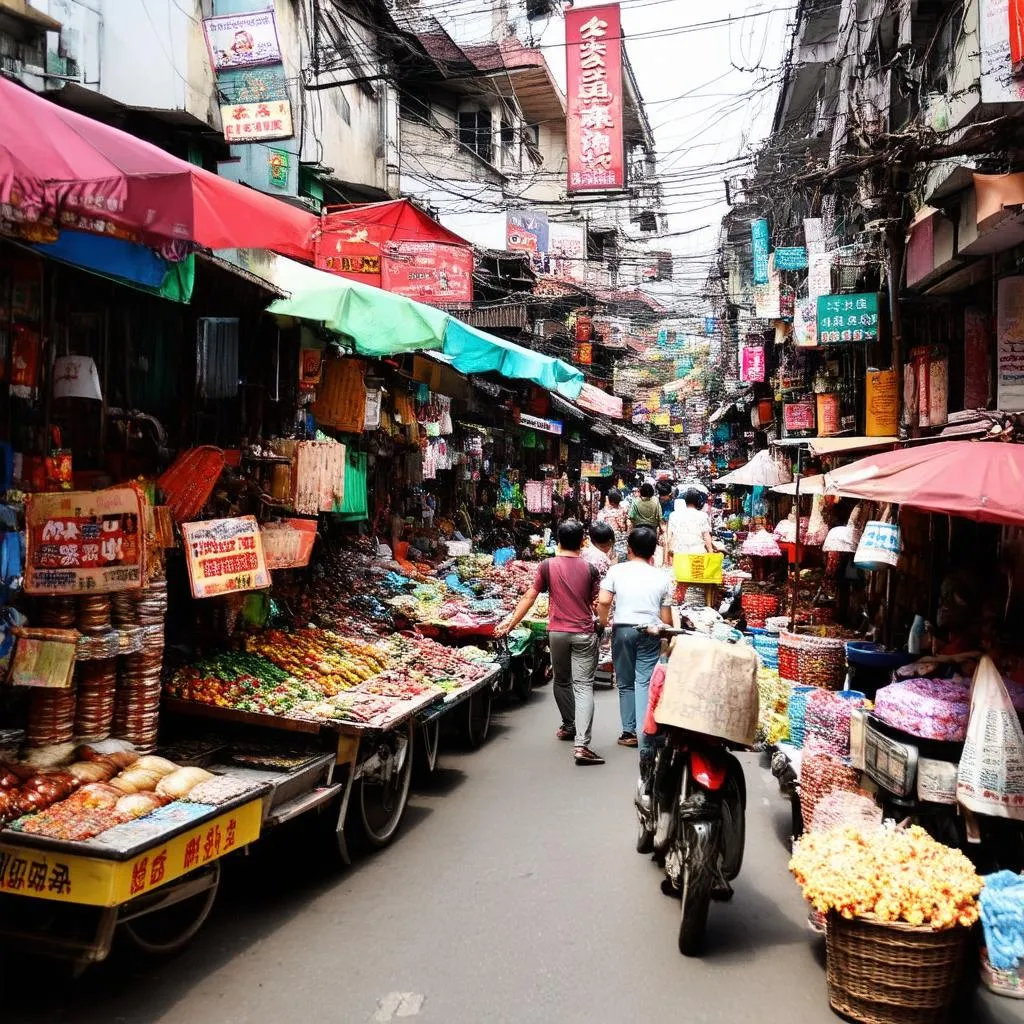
x=691, y=797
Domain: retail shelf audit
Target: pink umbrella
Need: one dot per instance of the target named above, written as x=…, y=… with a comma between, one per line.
x=62, y=169
x=982, y=480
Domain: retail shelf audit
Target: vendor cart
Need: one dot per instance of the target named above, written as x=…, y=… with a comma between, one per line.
x=474, y=701
x=155, y=878
x=357, y=773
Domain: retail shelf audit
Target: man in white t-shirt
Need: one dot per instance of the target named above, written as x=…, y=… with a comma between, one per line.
x=689, y=529
x=643, y=597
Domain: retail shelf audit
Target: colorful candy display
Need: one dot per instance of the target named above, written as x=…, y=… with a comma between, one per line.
x=933, y=709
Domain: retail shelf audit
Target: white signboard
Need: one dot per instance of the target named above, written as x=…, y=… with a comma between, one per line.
x=242, y=40
x=997, y=82
x=1010, y=344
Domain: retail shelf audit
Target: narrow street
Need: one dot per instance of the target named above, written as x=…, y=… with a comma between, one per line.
x=511, y=895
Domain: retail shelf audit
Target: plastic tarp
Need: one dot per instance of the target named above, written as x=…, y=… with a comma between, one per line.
x=473, y=351
x=124, y=262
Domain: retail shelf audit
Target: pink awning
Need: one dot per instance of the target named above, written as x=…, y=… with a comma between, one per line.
x=60, y=169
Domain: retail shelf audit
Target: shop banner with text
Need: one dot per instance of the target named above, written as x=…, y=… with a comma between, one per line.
x=593, y=58
x=225, y=556
x=81, y=542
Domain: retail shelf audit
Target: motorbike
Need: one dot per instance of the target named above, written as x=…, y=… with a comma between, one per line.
x=691, y=806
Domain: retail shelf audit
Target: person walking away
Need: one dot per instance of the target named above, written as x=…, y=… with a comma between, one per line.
x=600, y=552
x=689, y=533
x=618, y=519
x=646, y=511
x=572, y=584
x=666, y=499
x=643, y=597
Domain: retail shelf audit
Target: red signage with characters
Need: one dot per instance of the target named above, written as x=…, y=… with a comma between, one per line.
x=593, y=54
x=428, y=271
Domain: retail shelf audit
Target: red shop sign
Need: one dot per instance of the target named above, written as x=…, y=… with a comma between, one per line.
x=593, y=56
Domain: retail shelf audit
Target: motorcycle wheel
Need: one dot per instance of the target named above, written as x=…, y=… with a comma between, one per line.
x=644, y=839
x=701, y=846
x=734, y=827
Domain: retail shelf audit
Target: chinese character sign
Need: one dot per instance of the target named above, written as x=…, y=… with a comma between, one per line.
x=847, y=318
x=225, y=556
x=752, y=364
x=593, y=54
x=759, y=250
x=84, y=542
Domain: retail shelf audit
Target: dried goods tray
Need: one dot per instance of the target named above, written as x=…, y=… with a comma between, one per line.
x=403, y=711
x=100, y=850
x=461, y=695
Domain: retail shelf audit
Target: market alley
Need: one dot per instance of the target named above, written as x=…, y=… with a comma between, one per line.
x=513, y=896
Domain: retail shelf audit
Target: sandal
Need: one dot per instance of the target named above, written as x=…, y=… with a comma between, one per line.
x=565, y=734
x=628, y=739
x=584, y=755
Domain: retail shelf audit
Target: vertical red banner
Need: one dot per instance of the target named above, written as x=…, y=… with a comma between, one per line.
x=593, y=71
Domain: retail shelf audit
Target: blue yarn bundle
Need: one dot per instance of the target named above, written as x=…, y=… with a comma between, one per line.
x=1002, y=916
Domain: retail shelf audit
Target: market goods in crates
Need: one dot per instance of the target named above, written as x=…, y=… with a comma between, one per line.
x=887, y=874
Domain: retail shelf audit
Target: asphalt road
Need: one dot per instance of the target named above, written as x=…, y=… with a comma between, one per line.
x=512, y=895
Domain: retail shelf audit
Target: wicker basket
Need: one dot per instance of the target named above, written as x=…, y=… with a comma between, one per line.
x=892, y=973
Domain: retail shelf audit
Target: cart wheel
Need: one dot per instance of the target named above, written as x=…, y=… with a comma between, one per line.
x=542, y=668
x=170, y=928
x=478, y=718
x=427, y=741
x=383, y=794
x=522, y=687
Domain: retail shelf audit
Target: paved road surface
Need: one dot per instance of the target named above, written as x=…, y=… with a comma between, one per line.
x=512, y=896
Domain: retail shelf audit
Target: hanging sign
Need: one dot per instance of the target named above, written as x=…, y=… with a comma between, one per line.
x=642, y=464
x=310, y=368
x=791, y=258
x=428, y=271
x=848, y=318
x=759, y=248
x=225, y=556
x=545, y=426
x=242, y=40
x=84, y=541
x=819, y=275
x=881, y=404
x=977, y=373
x=593, y=71
x=805, y=324
x=278, y=164
x=1010, y=344
x=43, y=657
x=584, y=353
x=798, y=417
x=595, y=469
x=752, y=367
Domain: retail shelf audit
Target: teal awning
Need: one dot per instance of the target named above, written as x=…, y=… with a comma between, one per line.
x=474, y=351
x=379, y=323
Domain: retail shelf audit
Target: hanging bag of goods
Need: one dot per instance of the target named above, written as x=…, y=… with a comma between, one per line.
x=990, y=779
x=705, y=568
x=879, y=546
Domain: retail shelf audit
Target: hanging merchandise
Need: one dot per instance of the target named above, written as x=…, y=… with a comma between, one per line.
x=76, y=377
x=444, y=405
x=828, y=414
x=341, y=398
x=371, y=417
x=879, y=546
x=881, y=404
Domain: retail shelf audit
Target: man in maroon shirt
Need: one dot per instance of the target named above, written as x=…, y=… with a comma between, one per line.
x=573, y=585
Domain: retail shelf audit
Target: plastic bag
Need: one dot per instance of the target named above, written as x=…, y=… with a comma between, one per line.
x=990, y=779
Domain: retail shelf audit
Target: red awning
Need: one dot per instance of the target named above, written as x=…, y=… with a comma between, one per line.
x=982, y=480
x=59, y=169
x=395, y=246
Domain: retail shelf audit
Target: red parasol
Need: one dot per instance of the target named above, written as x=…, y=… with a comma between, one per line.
x=982, y=480
x=59, y=168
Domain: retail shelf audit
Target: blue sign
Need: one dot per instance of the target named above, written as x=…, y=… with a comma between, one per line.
x=759, y=249
x=710, y=326
x=791, y=258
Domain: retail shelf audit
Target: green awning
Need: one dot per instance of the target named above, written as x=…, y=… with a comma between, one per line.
x=377, y=323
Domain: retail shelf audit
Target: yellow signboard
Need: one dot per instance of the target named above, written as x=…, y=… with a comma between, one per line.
x=70, y=878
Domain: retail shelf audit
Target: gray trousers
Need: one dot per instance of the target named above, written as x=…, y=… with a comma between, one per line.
x=573, y=664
